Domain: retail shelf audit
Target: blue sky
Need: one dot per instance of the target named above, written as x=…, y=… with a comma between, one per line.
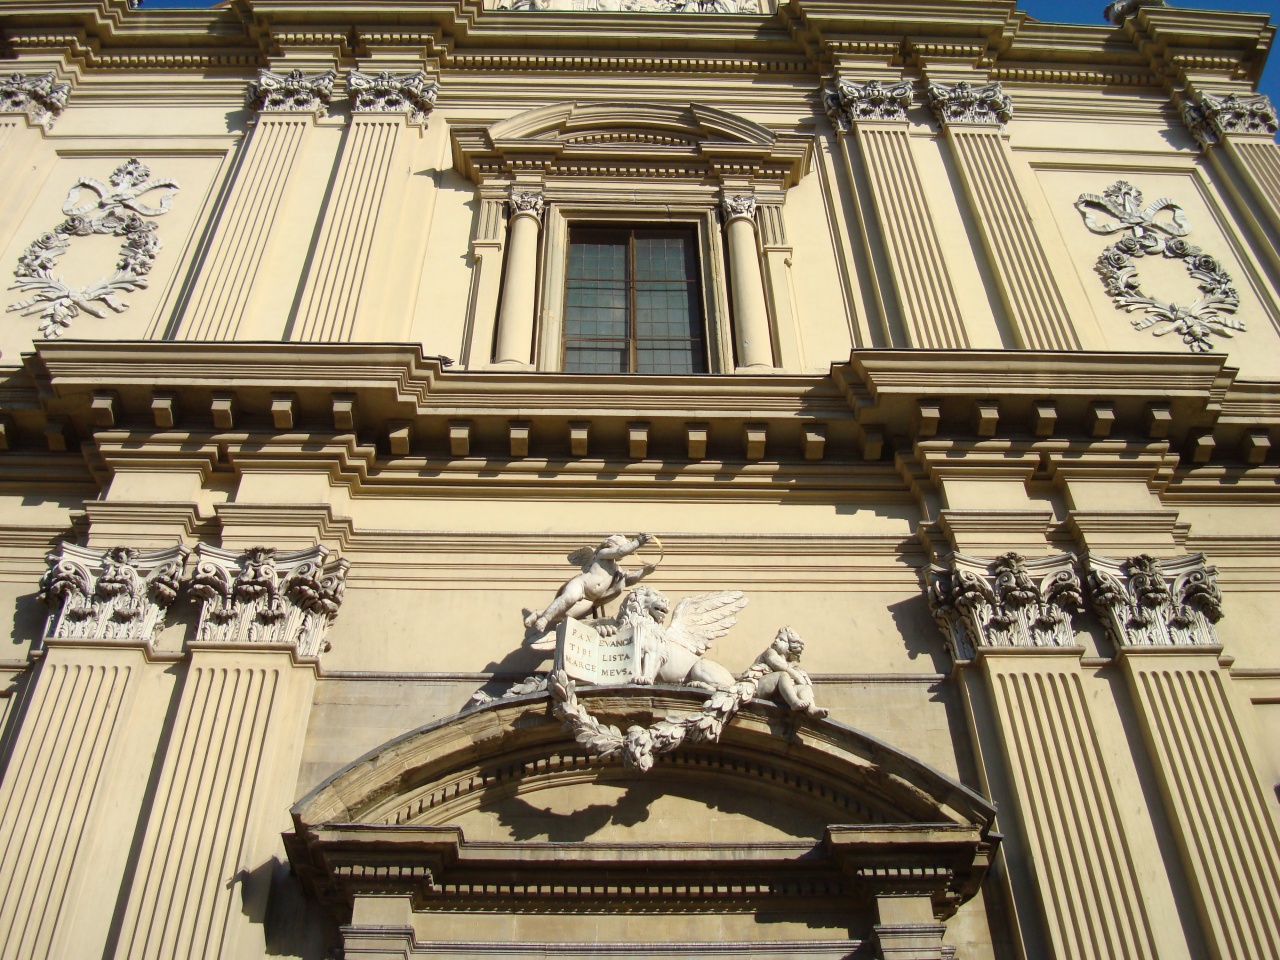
x=1061, y=11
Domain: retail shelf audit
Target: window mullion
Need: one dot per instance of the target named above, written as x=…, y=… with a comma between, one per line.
x=633, y=358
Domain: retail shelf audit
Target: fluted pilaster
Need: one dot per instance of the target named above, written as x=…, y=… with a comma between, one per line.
x=972, y=118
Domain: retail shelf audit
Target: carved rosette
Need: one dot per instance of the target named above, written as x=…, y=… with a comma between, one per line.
x=41, y=97
x=122, y=594
x=1211, y=118
x=290, y=92
x=870, y=102
x=1008, y=602
x=1146, y=602
x=527, y=203
x=260, y=596
x=413, y=94
x=986, y=105
x=738, y=207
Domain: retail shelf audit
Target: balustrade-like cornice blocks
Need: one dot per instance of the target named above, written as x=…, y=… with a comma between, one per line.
x=1148, y=403
x=1011, y=601
x=1146, y=602
x=264, y=597
x=119, y=595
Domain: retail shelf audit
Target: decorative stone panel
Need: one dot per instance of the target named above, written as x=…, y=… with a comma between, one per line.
x=122, y=594
x=1146, y=602
x=292, y=92
x=1007, y=602
x=1211, y=118
x=41, y=97
x=260, y=596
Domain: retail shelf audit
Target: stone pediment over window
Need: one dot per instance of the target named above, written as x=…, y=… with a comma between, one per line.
x=614, y=139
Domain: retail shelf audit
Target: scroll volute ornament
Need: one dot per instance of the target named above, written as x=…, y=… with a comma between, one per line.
x=294, y=91
x=1146, y=602
x=986, y=104
x=1008, y=602
x=122, y=594
x=870, y=102
x=260, y=596
x=1210, y=118
x=41, y=96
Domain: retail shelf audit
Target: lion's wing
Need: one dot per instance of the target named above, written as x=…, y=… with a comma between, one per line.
x=697, y=621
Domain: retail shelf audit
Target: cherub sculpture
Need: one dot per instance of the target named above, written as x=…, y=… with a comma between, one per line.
x=777, y=673
x=599, y=582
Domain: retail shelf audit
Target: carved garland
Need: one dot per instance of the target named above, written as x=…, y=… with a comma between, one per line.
x=1196, y=323
x=640, y=745
x=116, y=211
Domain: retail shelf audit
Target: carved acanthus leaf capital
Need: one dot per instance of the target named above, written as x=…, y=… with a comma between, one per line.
x=260, y=596
x=1146, y=602
x=528, y=203
x=1211, y=118
x=738, y=207
x=986, y=105
x=869, y=102
x=122, y=594
x=1007, y=602
x=291, y=92
x=41, y=97
x=409, y=93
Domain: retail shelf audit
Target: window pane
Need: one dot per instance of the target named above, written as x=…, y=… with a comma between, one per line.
x=664, y=258
x=595, y=356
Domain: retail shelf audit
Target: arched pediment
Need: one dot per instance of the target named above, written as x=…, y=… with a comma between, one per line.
x=503, y=788
x=693, y=140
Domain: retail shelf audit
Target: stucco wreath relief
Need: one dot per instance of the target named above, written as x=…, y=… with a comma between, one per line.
x=115, y=210
x=1150, y=234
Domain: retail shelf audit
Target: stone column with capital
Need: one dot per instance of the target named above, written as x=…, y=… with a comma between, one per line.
x=1160, y=615
x=385, y=108
x=1008, y=625
x=750, y=312
x=520, y=279
x=873, y=115
x=285, y=107
x=972, y=118
x=1239, y=132
x=81, y=759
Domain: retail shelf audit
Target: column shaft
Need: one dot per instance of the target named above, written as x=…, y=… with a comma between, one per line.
x=1225, y=833
x=1077, y=848
x=226, y=780
x=220, y=294
x=1036, y=307
x=930, y=311
x=520, y=284
x=334, y=286
x=750, y=313
x=1258, y=160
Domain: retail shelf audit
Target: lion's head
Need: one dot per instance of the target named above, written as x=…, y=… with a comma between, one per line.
x=644, y=602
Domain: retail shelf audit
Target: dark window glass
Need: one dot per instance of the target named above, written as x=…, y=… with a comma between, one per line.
x=632, y=303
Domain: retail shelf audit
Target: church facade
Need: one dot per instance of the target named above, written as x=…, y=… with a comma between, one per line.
x=642, y=478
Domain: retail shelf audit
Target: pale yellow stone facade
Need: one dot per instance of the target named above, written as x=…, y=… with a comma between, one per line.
x=293, y=276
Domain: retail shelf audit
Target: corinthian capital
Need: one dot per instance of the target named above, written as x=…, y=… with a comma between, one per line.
x=965, y=103
x=41, y=97
x=1146, y=602
x=260, y=596
x=122, y=594
x=528, y=203
x=409, y=93
x=869, y=102
x=294, y=91
x=738, y=207
x=1210, y=118
x=1007, y=602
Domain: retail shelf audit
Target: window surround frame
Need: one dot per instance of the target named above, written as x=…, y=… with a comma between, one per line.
x=713, y=276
